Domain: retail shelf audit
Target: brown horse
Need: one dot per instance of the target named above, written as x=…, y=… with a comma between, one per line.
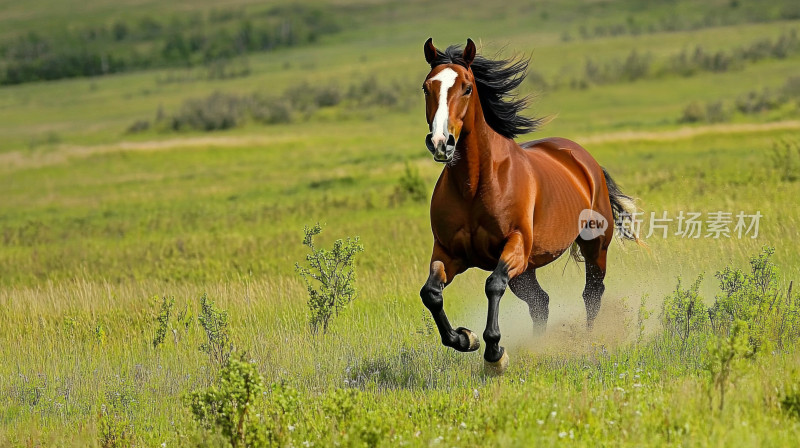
x=505, y=207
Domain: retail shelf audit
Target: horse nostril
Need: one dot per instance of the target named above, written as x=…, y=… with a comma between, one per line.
x=429, y=142
x=451, y=140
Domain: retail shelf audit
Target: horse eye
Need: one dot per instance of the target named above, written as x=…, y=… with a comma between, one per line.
x=425, y=90
x=468, y=91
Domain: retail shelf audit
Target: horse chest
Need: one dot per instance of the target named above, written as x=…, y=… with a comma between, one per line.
x=475, y=239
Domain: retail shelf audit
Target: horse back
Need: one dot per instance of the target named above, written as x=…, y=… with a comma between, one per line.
x=567, y=180
x=558, y=160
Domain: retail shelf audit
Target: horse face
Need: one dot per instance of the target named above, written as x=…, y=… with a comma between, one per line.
x=448, y=92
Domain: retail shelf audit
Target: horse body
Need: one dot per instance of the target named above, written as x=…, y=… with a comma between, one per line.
x=501, y=206
x=538, y=188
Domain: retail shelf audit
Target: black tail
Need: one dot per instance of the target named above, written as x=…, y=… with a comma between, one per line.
x=623, y=208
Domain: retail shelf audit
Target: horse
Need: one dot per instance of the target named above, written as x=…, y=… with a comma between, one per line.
x=504, y=207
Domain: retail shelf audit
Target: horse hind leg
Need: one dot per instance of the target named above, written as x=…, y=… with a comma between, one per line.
x=594, y=253
x=527, y=288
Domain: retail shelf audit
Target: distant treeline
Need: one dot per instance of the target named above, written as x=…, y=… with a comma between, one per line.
x=688, y=62
x=734, y=13
x=180, y=40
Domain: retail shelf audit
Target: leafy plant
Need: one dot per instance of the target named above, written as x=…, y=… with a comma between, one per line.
x=114, y=430
x=229, y=406
x=724, y=354
x=757, y=299
x=641, y=317
x=693, y=113
x=785, y=160
x=410, y=186
x=163, y=320
x=330, y=277
x=218, y=345
x=683, y=310
x=790, y=403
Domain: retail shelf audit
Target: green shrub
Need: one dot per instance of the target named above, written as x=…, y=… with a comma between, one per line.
x=745, y=295
x=218, y=111
x=230, y=406
x=785, y=160
x=641, y=318
x=757, y=299
x=138, y=126
x=410, y=186
x=163, y=320
x=683, y=311
x=693, y=113
x=754, y=102
x=270, y=110
x=716, y=112
x=114, y=430
x=790, y=403
x=218, y=345
x=329, y=276
x=791, y=88
x=725, y=354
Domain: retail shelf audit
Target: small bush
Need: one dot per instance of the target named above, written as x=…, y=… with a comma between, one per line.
x=641, y=318
x=785, y=160
x=716, y=112
x=114, y=430
x=791, y=88
x=790, y=403
x=756, y=299
x=218, y=345
x=683, y=311
x=229, y=407
x=138, y=126
x=163, y=320
x=330, y=277
x=744, y=294
x=410, y=186
x=216, y=112
x=636, y=66
x=270, y=110
x=725, y=354
x=754, y=102
x=327, y=96
x=693, y=113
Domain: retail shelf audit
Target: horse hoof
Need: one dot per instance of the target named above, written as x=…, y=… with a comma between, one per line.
x=474, y=342
x=498, y=367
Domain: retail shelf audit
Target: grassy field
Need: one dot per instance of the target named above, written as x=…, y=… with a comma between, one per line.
x=98, y=225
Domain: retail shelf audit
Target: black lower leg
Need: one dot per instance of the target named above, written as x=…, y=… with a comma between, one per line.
x=593, y=292
x=495, y=287
x=431, y=295
x=527, y=288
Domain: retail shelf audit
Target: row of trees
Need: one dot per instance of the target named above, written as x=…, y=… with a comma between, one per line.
x=194, y=40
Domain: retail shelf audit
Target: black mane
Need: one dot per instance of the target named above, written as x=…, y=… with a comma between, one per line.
x=496, y=81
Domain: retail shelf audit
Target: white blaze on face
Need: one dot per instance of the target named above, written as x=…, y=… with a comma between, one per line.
x=447, y=78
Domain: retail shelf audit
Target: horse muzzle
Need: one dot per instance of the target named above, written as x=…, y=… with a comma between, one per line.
x=441, y=146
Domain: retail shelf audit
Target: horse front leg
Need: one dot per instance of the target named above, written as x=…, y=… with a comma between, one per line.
x=512, y=263
x=460, y=339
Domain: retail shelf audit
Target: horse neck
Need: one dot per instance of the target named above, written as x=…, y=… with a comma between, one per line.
x=478, y=155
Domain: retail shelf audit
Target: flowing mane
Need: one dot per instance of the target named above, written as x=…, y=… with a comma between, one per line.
x=496, y=81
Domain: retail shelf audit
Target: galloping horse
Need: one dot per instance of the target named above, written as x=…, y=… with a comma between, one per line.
x=505, y=207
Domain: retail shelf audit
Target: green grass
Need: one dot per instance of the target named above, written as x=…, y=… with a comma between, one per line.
x=95, y=229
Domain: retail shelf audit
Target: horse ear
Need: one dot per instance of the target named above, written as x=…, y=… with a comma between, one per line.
x=469, y=52
x=430, y=51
